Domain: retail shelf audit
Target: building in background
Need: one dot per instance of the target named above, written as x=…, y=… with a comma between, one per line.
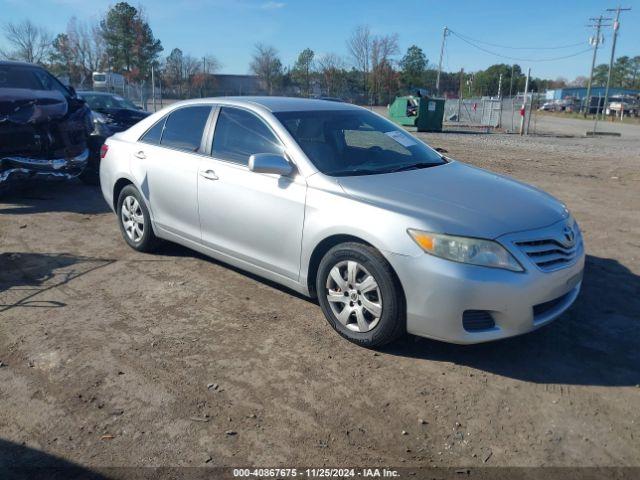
x=580, y=93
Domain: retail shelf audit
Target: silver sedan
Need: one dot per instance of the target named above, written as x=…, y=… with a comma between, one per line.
x=336, y=202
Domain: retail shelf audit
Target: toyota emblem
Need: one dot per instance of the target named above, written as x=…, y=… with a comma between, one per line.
x=569, y=235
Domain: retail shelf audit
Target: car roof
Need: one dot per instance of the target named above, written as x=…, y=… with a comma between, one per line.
x=93, y=92
x=278, y=104
x=14, y=63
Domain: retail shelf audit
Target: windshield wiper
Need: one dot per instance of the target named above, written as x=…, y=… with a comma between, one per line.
x=342, y=173
x=412, y=166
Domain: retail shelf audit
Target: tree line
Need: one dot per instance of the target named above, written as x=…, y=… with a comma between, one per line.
x=371, y=70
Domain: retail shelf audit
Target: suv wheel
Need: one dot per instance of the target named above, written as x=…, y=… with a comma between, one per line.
x=360, y=295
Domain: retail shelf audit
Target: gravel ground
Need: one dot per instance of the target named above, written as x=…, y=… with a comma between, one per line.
x=115, y=358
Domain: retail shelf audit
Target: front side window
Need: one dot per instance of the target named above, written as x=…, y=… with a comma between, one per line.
x=356, y=142
x=183, y=128
x=240, y=134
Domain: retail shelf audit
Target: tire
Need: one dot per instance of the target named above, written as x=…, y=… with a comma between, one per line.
x=138, y=235
x=90, y=176
x=368, y=316
x=91, y=173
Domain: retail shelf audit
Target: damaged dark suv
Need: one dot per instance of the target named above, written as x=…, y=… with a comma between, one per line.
x=44, y=126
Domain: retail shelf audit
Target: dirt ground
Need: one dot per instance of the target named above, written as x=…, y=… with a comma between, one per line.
x=115, y=358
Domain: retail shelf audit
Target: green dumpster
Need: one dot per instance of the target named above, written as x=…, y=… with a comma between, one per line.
x=424, y=113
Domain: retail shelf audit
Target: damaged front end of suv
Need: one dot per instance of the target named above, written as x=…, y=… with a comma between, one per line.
x=44, y=127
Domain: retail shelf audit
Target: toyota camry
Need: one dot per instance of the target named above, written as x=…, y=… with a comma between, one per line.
x=338, y=203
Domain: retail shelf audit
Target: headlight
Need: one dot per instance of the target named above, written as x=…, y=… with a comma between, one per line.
x=98, y=117
x=474, y=251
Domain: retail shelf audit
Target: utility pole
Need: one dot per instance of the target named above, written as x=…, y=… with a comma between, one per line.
x=499, y=100
x=445, y=32
x=511, y=80
x=204, y=74
x=523, y=110
x=616, y=27
x=153, y=87
x=595, y=41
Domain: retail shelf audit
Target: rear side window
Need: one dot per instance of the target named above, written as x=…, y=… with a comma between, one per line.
x=183, y=128
x=240, y=134
x=154, y=134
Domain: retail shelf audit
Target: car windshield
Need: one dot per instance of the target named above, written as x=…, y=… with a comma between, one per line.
x=31, y=78
x=103, y=102
x=356, y=142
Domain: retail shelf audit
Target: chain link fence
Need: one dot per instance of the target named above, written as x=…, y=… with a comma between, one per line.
x=489, y=112
x=467, y=113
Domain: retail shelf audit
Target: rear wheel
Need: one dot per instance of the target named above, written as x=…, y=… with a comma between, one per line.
x=135, y=221
x=360, y=295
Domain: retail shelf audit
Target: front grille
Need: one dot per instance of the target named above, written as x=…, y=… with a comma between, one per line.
x=551, y=254
x=542, y=308
x=477, y=320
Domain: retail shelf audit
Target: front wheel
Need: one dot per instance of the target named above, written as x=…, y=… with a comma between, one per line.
x=360, y=295
x=135, y=221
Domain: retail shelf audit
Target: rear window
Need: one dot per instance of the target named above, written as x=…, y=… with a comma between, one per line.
x=31, y=78
x=154, y=134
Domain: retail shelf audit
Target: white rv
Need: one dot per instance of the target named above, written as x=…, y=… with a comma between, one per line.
x=107, y=81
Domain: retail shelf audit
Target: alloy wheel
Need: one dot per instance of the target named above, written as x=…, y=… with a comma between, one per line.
x=354, y=296
x=132, y=218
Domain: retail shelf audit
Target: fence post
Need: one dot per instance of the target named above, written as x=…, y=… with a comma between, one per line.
x=460, y=93
x=530, y=111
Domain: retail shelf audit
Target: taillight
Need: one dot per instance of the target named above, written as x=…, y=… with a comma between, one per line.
x=103, y=150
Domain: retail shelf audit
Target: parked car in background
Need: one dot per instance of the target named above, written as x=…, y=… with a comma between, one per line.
x=623, y=105
x=548, y=106
x=337, y=202
x=111, y=114
x=44, y=126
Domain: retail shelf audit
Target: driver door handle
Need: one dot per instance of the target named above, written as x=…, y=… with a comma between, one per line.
x=140, y=154
x=209, y=175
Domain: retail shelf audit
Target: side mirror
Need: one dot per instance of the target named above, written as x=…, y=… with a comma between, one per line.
x=72, y=91
x=270, y=163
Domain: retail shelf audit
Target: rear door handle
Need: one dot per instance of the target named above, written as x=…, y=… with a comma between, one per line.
x=209, y=175
x=141, y=155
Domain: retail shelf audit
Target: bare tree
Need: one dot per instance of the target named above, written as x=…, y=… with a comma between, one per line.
x=29, y=42
x=359, y=46
x=192, y=73
x=210, y=64
x=174, y=69
x=88, y=47
x=331, y=69
x=383, y=47
x=267, y=65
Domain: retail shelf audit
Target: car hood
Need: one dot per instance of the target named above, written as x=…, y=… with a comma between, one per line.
x=123, y=115
x=458, y=199
x=23, y=106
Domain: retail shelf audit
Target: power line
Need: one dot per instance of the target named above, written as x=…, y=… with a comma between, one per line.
x=517, y=58
x=559, y=47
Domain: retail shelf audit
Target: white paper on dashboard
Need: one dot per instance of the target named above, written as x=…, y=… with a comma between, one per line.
x=401, y=138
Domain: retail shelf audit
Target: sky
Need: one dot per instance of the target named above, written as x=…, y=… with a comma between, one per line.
x=230, y=29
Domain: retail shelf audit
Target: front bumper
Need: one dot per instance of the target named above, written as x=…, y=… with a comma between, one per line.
x=438, y=292
x=16, y=167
